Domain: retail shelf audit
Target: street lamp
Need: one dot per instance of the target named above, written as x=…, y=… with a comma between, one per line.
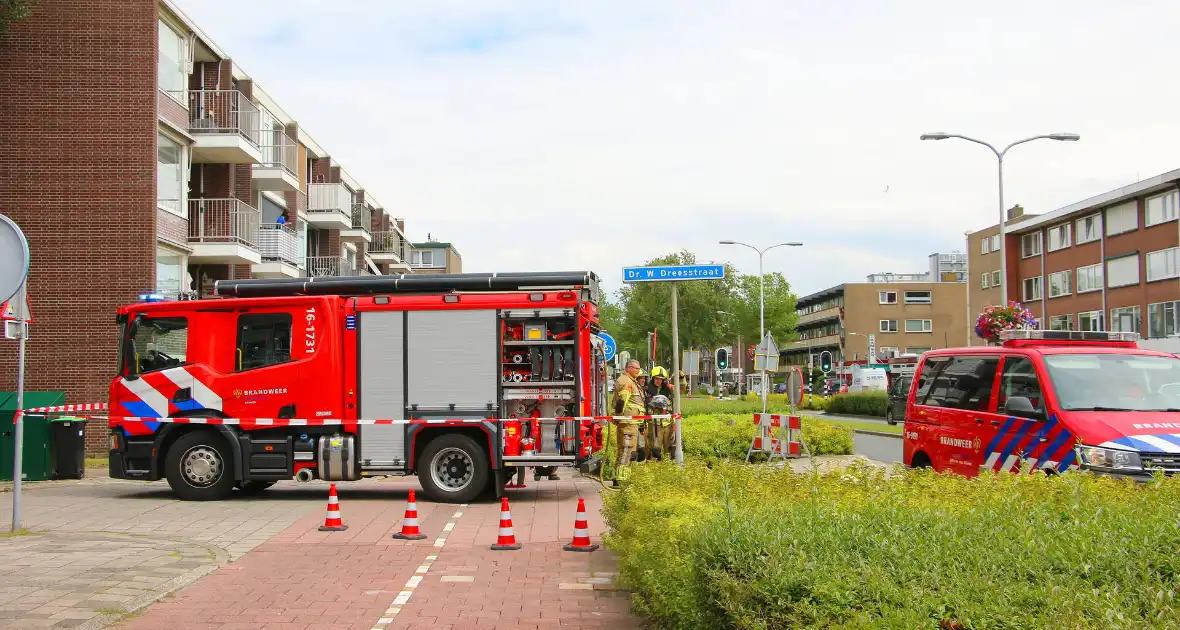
x=762, y=300
x=1062, y=137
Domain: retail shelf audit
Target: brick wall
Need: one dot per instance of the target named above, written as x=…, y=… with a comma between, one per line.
x=78, y=141
x=171, y=228
x=172, y=111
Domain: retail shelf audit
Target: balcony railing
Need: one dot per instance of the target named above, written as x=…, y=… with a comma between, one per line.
x=389, y=242
x=279, y=151
x=278, y=242
x=328, y=198
x=320, y=266
x=223, y=111
x=222, y=221
x=362, y=217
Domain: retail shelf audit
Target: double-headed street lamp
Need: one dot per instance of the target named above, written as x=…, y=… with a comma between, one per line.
x=1063, y=137
x=762, y=301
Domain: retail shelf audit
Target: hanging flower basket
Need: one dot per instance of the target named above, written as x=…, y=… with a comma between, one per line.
x=994, y=319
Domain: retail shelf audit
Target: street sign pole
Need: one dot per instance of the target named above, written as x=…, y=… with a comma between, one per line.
x=18, y=439
x=676, y=371
x=14, y=274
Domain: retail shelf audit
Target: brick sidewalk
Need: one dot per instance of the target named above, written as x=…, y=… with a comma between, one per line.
x=361, y=578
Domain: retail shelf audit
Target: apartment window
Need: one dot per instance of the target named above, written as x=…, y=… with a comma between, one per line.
x=1089, y=228
x=171, y=72
x=1162, y=264
x=1160, y=209
x=1030, y=245
x=983, y=281
x=169, y=272
x=995, y=278
x=422, y=257
x=1121, y=272
x=1090, y=278
x=1032, y=289
x=169, y=174
x=1090, y=321
x=887, y=297
x=1061, y=322
x=919, y=325
x=1122, y=218
x=918, y=297
x=1161, y=319
x=1059, y=284
x=917, y=349
x=888, y=325
x=1125, y=319
x=1060, y=236
x=995, y=243
x=983, y=245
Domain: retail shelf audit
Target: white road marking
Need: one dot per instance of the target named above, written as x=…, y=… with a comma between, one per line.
x=408, y=590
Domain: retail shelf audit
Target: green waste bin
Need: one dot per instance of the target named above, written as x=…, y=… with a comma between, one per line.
x=67, y=438
x=36, y=460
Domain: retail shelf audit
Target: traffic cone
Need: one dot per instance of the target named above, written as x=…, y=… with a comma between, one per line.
x=410, y=522
x=332, y=522
x=581, y=540
x=507, y=540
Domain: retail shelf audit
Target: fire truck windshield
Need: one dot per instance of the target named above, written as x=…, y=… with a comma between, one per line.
x=1115, y=382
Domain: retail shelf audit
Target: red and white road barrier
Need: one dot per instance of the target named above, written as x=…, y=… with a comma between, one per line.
x=67, y=408
x=777, y=435
x=115, y=421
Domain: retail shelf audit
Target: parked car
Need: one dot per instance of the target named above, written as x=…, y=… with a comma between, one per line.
x=898, y=394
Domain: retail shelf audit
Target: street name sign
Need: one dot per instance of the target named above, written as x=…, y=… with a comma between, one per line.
x=673, y=273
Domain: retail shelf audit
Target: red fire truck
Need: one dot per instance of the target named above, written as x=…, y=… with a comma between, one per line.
x=458, y=378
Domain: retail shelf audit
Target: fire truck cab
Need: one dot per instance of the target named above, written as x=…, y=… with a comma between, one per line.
x=1049, y=401
x=457, y=378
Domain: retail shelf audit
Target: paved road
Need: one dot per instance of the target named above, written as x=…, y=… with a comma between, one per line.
x=836, y=416
x=875, y=447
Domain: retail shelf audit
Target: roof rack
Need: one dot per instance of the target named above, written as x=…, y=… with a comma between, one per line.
x=411, y=283
x=1067, y=335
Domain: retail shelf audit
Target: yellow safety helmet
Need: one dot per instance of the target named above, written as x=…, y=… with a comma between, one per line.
x=659, y=372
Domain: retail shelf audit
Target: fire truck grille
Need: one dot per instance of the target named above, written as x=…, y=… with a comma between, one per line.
x=1167, y=462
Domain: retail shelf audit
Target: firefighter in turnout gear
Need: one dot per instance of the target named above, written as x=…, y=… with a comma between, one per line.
x=628, y=401
x=658, y=434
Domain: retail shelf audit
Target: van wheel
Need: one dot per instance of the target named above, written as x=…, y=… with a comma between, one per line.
x=453, y=469
x=921, y=460
x=254, y=487
x=199, y=467
x=889, y=419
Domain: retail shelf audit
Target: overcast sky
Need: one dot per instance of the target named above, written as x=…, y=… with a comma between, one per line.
x=546, y=135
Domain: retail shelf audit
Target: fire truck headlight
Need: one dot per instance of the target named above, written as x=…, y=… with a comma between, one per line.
x=1109, y=459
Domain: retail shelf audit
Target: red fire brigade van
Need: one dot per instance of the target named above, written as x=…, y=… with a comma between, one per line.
x=1051, y=400
x=456, y=378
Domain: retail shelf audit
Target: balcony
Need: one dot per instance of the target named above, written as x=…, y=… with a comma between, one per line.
x=818, y=342
x=223, y=231
x=329, y=206
x=277, y=170
x=323, y=266
x=224, y=124
x=819, y=316
x=388, y=247
x=359, y=225
x=279, y=246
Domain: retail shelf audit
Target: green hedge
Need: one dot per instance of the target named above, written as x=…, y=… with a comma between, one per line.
x=756, y=547
x=776, y=403
x=867, y=404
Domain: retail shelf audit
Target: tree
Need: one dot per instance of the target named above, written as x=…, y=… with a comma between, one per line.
x=780, y=308
x=13, y=10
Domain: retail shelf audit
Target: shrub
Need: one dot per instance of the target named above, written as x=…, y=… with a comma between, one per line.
x=866, y=404
x=761, y=547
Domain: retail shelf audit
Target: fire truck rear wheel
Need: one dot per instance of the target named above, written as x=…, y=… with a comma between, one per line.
x=453, y=469
x=198, y=467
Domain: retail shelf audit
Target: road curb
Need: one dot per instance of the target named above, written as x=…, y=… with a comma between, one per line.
x=878, y=433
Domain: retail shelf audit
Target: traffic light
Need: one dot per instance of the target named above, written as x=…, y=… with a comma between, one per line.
x=722, y=358
x=825, y=361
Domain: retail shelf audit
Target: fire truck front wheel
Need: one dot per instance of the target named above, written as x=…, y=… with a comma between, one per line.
x=199, y=467
x=453, y=469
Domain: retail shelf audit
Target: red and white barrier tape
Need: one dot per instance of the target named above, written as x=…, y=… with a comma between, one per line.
x=67, y=408
x=115, y=421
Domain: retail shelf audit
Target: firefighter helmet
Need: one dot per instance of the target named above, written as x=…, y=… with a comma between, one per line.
x=658, y=372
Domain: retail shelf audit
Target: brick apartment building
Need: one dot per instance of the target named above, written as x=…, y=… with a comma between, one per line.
x=905, y=313
x=138, y=157
x=1109, y=262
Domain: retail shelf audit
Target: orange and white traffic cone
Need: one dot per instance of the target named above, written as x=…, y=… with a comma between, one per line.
x=410, y=522
x=581, y=540
x=506, y=540
x=332, y=522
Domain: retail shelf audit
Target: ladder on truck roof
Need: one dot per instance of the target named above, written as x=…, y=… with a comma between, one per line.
x=412, y=283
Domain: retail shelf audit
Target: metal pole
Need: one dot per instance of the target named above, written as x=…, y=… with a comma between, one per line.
x=19, y=433
x=762, y=324
x=676, y=373
x=1003, y=238
x=967, y=272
